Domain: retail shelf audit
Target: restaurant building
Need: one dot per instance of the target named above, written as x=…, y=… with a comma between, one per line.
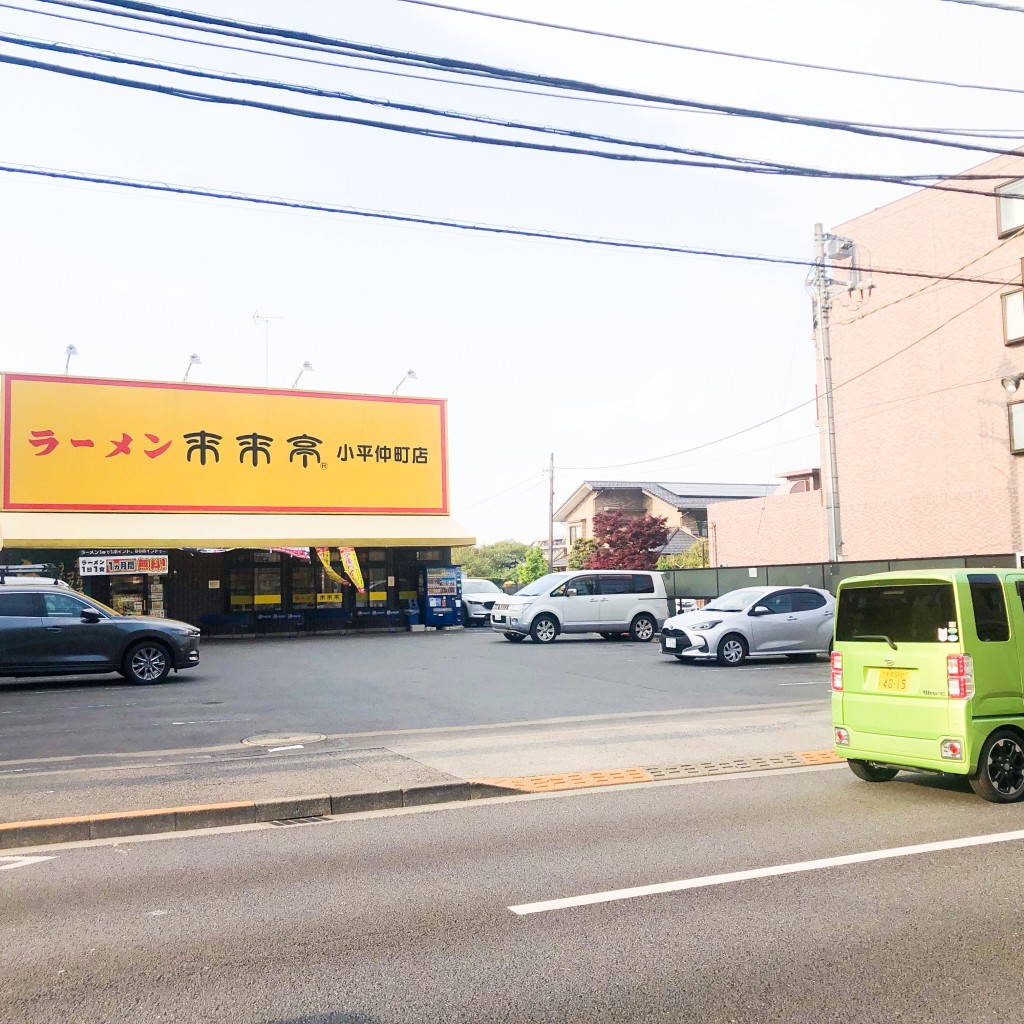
x=242, y=510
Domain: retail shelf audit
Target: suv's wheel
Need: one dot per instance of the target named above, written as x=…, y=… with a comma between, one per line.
x=515, y=637
x=465, y=615
x=732, y=650
x=544, y=629
x=1000, y=774
x=871, y=772
x=642, y=629
x=148, y=661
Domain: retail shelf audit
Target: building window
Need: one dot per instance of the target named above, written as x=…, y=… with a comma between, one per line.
x=1013, y=316
x=575, y=532
x=1016, y=411
x=1010, y=205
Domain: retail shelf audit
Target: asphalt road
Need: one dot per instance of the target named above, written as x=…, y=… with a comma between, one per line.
x=405, y=916
x=467, y=701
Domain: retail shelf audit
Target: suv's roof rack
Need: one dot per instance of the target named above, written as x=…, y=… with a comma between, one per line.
x=41, y=569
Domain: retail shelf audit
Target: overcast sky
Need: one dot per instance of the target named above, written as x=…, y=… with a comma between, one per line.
x=608, y=359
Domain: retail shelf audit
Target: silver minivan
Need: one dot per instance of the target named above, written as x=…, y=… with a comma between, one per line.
x=605, y=601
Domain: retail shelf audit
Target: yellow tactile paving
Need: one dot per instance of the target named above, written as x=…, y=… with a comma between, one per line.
x=819, y=757
x=572, y=780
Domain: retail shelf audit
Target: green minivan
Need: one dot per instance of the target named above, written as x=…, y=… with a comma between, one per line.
x=927, y=676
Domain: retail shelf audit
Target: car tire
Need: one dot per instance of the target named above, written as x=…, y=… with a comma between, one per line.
x=642, y=629
x=544, y=629
x=1000, y=774
x=732, y=650
x=465, y=616
x=147, y=661
x=514, y=637
x=868, y=771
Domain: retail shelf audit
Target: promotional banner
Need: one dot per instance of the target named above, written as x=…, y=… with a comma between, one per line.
x=351, y=564
x=80, y=444
x=324, y=554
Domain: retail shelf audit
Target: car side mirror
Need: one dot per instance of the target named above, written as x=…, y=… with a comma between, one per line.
x=571, y=592
x=88, y=615
x=760, y=609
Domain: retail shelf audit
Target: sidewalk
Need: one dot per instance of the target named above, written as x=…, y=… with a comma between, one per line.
x=52, y=802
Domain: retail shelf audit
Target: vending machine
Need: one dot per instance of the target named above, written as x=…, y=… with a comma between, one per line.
x=441, y=595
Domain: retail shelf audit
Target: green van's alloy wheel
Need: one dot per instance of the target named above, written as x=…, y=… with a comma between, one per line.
x=871, y=772
x=1000, y=774
x=732, y=650
x=544, y=629
x=515, y=637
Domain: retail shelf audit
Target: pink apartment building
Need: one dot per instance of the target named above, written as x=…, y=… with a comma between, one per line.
x=928, y=460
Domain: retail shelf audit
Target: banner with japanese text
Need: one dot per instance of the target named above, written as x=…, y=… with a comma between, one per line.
x=351, y=565
x=79, y=444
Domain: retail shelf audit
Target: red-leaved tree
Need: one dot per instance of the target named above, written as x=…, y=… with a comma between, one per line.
x=627, y=542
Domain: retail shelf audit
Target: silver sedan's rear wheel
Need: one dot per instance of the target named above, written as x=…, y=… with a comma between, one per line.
x=146, y=662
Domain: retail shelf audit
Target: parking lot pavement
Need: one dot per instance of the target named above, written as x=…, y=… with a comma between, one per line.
x=274, y=719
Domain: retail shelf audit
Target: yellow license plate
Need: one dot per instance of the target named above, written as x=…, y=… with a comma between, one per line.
x=893, y=680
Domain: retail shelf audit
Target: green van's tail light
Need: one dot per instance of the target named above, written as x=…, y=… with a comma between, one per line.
x=952, y=750
x=842, y=737
x=960, y=676
x=837, y=670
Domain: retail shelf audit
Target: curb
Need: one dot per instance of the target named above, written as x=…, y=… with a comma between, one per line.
x=122, y=824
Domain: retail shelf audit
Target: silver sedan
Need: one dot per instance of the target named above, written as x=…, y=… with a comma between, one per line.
x=754, y=622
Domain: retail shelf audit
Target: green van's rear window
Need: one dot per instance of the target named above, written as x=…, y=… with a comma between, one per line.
x=917, y=613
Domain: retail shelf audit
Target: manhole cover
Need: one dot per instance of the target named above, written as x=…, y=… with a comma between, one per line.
x=274, y=739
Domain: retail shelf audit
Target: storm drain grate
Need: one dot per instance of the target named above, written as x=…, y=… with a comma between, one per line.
x=314, y=819
x=698, y=769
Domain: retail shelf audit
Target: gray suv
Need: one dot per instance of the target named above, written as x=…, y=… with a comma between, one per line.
x=48, y=629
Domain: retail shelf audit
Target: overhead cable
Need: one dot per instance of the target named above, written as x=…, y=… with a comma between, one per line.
x=490, y=229
x=709, y=52
x=704, y=158
x=286, y=36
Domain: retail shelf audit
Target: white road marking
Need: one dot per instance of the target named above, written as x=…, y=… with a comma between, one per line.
x=813, y=682
x=294, y=746
x=7, y=863
x=614, y=895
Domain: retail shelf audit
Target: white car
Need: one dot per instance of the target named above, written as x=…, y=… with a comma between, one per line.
x=606, y=601
x=754, y=622
x=478, y=597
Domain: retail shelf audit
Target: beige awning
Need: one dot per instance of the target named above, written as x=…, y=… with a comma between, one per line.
x=225, y=530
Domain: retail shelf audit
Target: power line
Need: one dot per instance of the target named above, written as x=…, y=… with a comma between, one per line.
x=717, y=53
x=988, y=3
x=242, y=197
x=291, y=37
x=704, y=158
x=490, y=86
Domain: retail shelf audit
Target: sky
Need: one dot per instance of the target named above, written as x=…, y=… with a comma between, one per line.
x=623, y=365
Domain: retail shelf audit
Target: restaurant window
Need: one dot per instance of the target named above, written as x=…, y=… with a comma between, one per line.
x=303, y=585
x=240, y=590
x=1010, y=206
x=1013, y=316
x=266, y=581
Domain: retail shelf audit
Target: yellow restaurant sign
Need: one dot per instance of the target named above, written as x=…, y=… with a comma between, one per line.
x=81, y=444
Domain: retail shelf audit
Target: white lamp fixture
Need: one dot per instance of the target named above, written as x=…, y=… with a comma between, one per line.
x=69, y=352
x=193, y=360
x=409, y=375
x=1011, y=384
x=307, y=367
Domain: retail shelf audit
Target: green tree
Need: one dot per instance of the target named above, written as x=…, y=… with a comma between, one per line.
x=532, y=567
x=696, y=558
x=490, y=561
x=582, y=548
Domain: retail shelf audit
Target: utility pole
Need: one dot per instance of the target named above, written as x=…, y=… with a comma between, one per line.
x=551, y=514
x=265, y=320
x=822, y=286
